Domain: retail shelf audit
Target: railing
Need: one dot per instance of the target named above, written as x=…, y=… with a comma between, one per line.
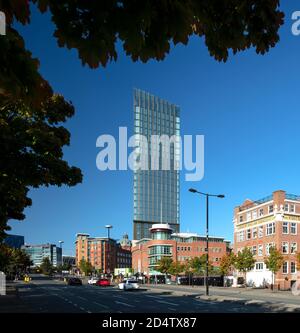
x=292, y=197
x=257, y=202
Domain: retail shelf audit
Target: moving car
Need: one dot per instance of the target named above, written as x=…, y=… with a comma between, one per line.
x=102, y=283
x=74, y=282
x=93, y=280
x=129, y=285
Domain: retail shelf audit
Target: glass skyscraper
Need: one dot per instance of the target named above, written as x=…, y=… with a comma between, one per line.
x=156, y=192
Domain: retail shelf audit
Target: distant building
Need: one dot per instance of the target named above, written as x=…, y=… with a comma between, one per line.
x=273, y=221
x=14, y=241
x=178, y=246
x=39, y=252
x=105, y=254
x=69, y=260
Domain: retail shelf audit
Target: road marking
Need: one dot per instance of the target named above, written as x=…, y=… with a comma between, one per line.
x=164, y=302
x=103, y=306
x=171, y=309
x=125, y=304
x=122, y=297
x=85, y=299
x=153, y=296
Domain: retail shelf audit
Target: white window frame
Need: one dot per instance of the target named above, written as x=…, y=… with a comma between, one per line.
x=294, y=208
x=270, y=227
x=287, y=267
x=286, y=207
x=294, y=271
x=285, y=246
x=268, y=246
x=248, y=216
x=241, y=236
x=293, y=224
x=260, y=251
x=248, y=232
x=261, y=212
x=285, y=225
x=254, y=252
x=260, y=231
x=269, y=209
x=254, y=215
x=254, y=233
x=293, y=249
x=261, y=264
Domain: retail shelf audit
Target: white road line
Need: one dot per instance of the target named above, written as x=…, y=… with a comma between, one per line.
x=122, y=297
x=153, y=296
x=164, y=302
x=103, y=306
x=85, y=299
x=125, y=304
x=171, y=309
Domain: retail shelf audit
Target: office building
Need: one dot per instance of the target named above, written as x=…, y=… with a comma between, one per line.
x=179, y=246
x=105, y=254
x=156, y=191
x=269, y=222
x=38, y=252
x=14, y=241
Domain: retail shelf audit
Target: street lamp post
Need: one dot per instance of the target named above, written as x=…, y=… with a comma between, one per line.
x=207, y=195
x=108, y=227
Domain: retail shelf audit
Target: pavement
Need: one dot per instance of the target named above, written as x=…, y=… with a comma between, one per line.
x=44, y=295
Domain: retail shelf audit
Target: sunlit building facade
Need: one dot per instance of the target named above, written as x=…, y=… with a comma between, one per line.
x=156, y=192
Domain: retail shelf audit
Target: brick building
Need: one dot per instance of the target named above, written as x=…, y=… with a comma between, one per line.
x=179, y=246
x=105, y=254
x=270, y=222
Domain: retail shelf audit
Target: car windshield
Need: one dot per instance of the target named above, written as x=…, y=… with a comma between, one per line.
x=131, y=281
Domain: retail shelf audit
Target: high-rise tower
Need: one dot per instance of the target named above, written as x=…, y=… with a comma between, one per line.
x=156, y=192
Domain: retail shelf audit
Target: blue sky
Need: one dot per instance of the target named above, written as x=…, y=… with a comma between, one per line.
x=247, y=108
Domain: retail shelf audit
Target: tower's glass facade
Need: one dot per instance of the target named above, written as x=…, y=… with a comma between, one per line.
x=156, y=192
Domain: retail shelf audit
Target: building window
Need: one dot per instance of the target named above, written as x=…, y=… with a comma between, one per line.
x=241, y=236
x=292, y=208
x=260, y=231
x=293, y=268
x=270, y=229
x=285, y=227
x=271, y=209
x=285, y=267
x=286, y=207
x=249, y=216
x=241, y=218
x=293, y=248
x=254, y=250
x=259, y=266
x=268, y=247
x=248, y=233
x=254, y=214
x=254, y=233
x=285, y=247
x=260, y=250
x=294, y=228
x=261, y=212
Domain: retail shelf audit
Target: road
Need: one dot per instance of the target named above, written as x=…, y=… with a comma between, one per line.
x=44, y=295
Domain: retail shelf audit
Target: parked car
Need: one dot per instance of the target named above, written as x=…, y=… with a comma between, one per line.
x=93, y=280
x=129, y=285
x=74, y=282
x=102, y=283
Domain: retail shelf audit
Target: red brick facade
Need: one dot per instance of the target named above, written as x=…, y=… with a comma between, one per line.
x=180, y=248
x=272, y=221
x=103, y=253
